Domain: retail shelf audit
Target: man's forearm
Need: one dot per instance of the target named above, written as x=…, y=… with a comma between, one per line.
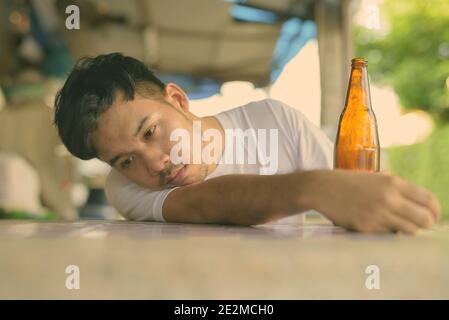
x=238, y=199
x=359, y=201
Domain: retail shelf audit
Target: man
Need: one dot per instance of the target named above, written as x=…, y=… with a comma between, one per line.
x=112, y=107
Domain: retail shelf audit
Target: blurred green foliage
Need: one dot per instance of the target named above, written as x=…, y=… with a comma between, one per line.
x=410, y=52
x=426, y=164
x=21, y=214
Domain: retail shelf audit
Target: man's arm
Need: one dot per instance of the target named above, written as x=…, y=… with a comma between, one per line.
x=359, y=201
x=235, y=199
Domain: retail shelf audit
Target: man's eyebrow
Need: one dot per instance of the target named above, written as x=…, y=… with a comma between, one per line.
x=139, y=127
x=115, y=158
x=141, y=123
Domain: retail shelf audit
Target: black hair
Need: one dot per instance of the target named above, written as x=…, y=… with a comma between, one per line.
x=90, y=89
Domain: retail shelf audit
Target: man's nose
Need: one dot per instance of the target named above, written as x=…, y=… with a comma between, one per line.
x=155, y=161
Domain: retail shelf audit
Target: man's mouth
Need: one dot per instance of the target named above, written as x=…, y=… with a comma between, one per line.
x=177, y=176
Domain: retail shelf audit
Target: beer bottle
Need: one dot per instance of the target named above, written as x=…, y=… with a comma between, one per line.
x=357, y=143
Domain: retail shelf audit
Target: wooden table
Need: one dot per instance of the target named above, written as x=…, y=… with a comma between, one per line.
x=136, y=260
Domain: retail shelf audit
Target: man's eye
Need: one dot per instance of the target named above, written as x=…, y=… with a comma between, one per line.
x=127, y=163
x=149, y=133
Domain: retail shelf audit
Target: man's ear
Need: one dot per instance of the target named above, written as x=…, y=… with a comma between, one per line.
x=176, y=96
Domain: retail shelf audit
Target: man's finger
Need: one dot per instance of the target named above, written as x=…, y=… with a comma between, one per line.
x=398, y=224
x=419, y=215
x=422, y=197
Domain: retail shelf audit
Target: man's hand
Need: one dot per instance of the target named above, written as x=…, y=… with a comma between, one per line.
x=371, y=203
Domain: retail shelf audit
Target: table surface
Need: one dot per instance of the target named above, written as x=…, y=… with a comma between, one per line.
x=142, y=260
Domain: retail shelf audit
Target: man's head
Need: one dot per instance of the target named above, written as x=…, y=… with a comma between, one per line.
x=114, y=108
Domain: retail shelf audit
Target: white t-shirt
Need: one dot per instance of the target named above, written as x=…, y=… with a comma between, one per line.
x=300, y=146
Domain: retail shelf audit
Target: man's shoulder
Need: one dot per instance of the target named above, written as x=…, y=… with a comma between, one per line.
x=114, y=181
x=265, y=109
x=116, y=184
x=256, y=106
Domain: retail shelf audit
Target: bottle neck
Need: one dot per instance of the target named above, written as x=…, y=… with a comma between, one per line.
x=358, y=94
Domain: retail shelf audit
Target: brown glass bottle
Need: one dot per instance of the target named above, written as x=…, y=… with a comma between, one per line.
x=357, y=143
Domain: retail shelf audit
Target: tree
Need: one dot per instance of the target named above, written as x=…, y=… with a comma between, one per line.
x=413, y=54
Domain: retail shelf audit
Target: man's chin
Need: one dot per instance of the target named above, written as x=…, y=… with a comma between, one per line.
x=192, y=175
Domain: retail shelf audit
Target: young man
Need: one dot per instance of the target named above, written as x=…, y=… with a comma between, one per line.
x=169, y=165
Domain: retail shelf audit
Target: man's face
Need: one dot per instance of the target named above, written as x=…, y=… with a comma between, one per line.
x=134, y=138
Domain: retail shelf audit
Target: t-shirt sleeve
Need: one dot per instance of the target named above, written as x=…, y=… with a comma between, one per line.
x=133, y=201
x=314, y=148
